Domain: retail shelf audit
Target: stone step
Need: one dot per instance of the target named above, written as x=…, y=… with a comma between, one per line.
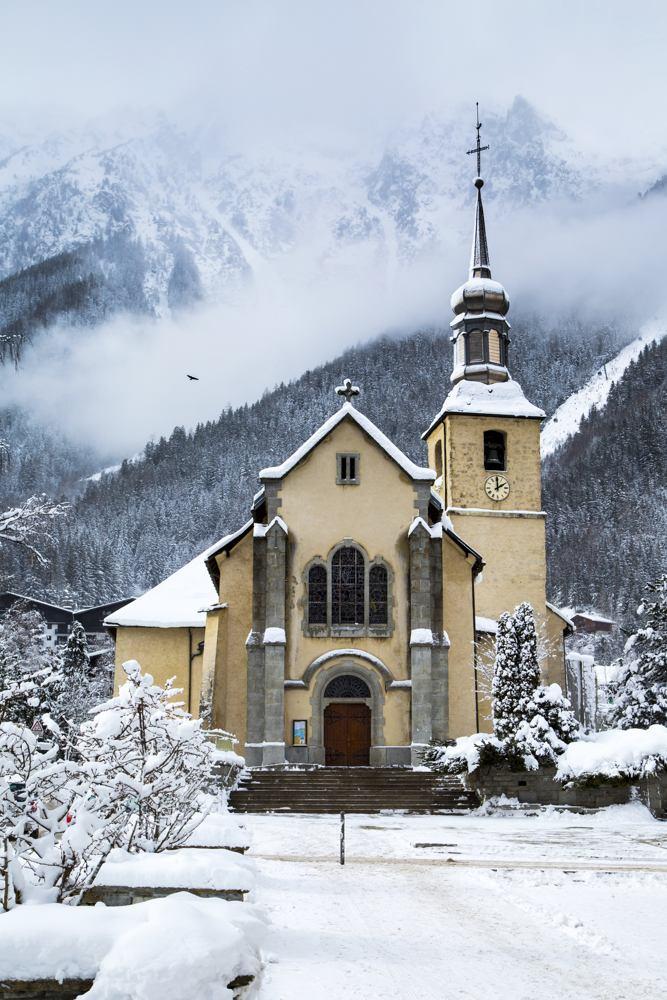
x=360, y=810
x=357, y=790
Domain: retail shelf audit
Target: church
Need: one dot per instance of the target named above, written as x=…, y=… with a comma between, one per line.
x=351, y=619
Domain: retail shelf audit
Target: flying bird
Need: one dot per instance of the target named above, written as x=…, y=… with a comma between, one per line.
x=193, y=378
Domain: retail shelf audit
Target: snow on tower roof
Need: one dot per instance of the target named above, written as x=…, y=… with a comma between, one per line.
x=502, y=399
x=180, y=600
x=347, y=410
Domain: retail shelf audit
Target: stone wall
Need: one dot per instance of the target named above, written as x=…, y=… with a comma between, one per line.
x=653, y=791
x=540, y=788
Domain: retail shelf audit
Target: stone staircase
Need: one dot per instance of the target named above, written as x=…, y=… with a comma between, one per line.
x=350, y=790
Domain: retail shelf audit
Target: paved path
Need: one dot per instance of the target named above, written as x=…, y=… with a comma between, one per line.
x=405, y=929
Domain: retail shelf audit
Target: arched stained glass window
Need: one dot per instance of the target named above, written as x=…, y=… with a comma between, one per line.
x=347, y=587
x=317, y=595
x=347, y=686
x=377, y=596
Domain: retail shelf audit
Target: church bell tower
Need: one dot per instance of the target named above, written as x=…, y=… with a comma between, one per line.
x=484, y=444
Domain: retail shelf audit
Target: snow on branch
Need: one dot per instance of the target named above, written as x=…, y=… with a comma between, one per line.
x=28, y=523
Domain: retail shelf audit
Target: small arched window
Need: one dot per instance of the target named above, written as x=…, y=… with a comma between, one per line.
x=378, y=596
x=438, y=459
x=347, y=587
x=494, y=451
x=317, y=595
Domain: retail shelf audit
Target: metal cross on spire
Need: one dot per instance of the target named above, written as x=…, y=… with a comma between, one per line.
x=478, y=148
x=347, y=390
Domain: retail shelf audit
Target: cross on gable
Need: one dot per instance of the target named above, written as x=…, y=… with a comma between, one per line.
x=347, y=390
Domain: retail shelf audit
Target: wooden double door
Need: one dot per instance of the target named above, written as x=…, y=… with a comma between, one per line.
x=347, y=734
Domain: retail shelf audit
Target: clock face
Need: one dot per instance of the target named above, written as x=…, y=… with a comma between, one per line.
x=497, y=488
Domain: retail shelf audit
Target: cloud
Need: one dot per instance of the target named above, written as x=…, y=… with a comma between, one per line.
x=342, y=71
x=118, y=385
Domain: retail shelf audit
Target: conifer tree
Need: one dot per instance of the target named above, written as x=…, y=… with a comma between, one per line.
x=30, y=670
x=79, y=692
x=76, y=661
x=641, y=685
x=533, y=721
x=516, y=671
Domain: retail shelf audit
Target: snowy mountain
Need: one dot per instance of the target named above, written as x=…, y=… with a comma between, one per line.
x=199, y=219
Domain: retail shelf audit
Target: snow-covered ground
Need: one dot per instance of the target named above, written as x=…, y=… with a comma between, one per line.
x=567, y=419
x=509, y=906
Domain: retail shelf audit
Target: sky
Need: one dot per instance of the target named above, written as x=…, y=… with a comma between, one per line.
x=341, y=70
x=338, y=75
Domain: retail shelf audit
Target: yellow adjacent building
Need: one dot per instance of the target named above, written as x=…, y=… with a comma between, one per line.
x=351, y=619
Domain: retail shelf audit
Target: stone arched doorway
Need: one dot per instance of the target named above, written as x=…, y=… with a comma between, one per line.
x=347, y=715
x=347, y=722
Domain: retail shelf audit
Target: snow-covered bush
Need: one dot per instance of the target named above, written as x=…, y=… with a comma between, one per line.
x=137, y=777
x=148, y=760
x=640, y=687
x=53, y=839
x=467, y=754
x=549, y=702
x=614, y=755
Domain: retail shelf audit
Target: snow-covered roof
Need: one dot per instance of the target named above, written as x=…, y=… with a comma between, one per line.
x=483, y=624
x=179, y=601
x=347, y=410
x=502, y=399
x=562, y=613
x=476, y=286
x=584, y=658
x=594, y=616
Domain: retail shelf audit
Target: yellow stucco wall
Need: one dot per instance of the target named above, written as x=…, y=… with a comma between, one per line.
x=514, y=556
x=457, y=596
x=164, y=653
x=553, y=667
x=486, y=652
x=235, y=622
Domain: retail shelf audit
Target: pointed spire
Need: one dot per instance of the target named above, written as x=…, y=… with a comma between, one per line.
x=480, y=265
